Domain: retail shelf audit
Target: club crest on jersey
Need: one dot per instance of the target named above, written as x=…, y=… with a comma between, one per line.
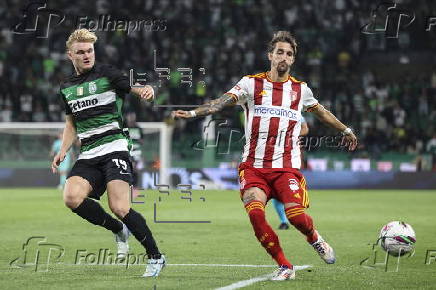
x=262, y=93
x=293, y=184
x=79, y=91
x=92, y=88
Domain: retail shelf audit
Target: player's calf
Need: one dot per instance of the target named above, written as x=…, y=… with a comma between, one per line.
x=302, y=222
x=137, y=225
x=75, y=197
x=264, y=233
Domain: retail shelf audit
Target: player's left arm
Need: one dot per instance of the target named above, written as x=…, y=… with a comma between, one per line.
x=122, y=82
x=208, y=108
x=304, y=129
x=330, y=120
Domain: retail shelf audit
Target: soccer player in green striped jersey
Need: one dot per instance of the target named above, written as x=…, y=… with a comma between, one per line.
x=93, y=97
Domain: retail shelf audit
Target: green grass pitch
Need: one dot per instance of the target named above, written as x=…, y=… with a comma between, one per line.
x=349, y=219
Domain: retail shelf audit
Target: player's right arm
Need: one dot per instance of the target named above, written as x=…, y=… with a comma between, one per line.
x=68, y=137
x=208, y=108
x=237, y=95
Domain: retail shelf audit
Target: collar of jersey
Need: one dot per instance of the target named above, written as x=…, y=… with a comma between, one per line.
x=85, y=73
x=270, y=80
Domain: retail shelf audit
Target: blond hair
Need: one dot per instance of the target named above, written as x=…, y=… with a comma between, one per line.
x=81, y=35
x=282, y=36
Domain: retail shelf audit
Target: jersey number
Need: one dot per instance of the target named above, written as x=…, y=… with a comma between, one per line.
x=120, y=163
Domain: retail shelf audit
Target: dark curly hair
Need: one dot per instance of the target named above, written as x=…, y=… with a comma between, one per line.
x=282, y=36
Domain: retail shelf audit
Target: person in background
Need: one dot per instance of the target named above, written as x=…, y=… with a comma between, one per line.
x=66, y=164
x=135, y=134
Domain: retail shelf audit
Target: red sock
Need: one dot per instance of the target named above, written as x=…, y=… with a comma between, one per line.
x=302, y=222
x=264, y=233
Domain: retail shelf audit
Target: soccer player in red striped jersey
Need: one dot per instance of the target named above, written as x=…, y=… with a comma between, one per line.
x=273, y=102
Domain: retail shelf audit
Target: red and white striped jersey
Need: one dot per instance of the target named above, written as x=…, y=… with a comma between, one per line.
x=272, y=119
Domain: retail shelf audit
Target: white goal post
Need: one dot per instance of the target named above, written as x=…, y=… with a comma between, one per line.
x=165, y=139
x=52, y=129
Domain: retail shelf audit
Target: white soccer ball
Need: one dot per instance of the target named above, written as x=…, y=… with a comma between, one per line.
x=397, y=238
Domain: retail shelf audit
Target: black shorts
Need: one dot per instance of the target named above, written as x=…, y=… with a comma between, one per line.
x=100, y=170
x=135, y=177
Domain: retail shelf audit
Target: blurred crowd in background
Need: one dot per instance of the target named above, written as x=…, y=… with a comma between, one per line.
x=383, y=88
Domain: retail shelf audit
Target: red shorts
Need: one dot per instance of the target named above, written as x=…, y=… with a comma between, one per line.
x=284, y=184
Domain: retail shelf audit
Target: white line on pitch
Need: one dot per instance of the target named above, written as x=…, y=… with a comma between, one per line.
x=225, y=265
x=245, y=283
x=187, y=265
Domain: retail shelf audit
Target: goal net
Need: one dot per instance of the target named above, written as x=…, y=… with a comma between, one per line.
x=25, y=150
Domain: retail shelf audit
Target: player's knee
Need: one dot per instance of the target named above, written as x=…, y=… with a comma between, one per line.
x=120, y=210
x=72, y=201
x=75, y=191
x=253, y=194
x=73, y=196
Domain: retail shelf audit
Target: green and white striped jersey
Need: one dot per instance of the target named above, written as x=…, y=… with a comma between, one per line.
x=95, y=101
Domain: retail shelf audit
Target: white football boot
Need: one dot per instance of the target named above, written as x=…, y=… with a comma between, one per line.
x=154, y=266
x=283, y=273
x=122, y=243
x=324, y=250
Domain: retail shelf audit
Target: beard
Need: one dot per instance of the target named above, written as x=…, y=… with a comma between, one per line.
x=282, y=68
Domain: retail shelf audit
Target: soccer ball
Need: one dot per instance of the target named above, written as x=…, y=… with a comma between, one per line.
x=397, y=238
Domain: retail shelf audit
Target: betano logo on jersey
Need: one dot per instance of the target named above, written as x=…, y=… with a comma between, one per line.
x=276, y=111
x=82, y=104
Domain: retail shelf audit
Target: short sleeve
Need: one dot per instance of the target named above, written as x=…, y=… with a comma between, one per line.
x=309, y=100
x=240, y=90
x=119, y=80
